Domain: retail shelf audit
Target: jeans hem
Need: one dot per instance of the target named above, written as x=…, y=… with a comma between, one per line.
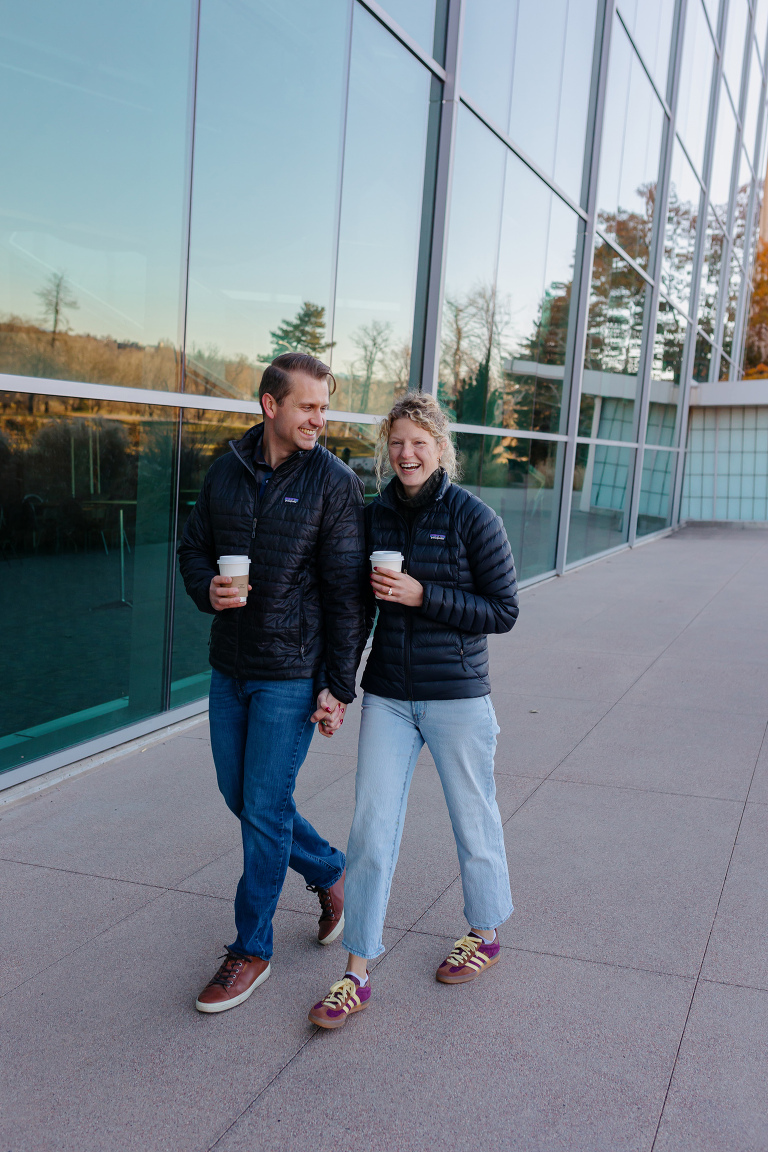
x=489, y=927
x=361, y=955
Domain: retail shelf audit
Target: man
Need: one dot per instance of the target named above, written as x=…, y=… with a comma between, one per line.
x=285, y=659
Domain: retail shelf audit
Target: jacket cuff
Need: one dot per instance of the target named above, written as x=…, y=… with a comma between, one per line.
x=203, y=600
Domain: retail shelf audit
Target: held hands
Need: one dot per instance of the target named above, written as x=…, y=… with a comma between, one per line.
x=223, y=594
x=397, y=587
x=330, y=713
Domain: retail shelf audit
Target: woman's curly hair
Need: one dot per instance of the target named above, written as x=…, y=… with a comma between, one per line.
x=425, y=411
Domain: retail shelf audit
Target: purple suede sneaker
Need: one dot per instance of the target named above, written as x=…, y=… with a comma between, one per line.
x=344, y=998
x=469, y=957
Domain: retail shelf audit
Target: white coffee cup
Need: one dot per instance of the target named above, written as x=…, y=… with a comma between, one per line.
x=237, y=567
x=389, y=561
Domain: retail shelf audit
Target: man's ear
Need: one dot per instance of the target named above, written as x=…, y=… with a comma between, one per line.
x=269, y=406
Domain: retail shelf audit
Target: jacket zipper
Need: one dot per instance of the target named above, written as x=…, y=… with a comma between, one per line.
x=408, y=616
x=301, y=622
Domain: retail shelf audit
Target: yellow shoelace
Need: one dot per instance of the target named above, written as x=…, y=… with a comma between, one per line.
x=462, y=950
x=340, y=991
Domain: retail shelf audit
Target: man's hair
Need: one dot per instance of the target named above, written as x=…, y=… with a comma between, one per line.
x=277, y=376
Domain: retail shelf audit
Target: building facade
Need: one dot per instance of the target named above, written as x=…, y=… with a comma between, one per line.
x=545, y=214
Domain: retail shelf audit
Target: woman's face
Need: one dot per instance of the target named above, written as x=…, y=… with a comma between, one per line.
x=414, y=453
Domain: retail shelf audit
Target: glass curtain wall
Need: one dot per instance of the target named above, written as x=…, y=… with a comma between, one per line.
x=543, y=214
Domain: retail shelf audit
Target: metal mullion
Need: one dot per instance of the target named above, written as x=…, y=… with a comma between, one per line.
x=698, y=259
x=601, y=440
x=340, y=182
x=583, y=279
x=446, y=152
x=654, y=262
x=173, y=535
x=520, y=433
x=405, y=39
x=521, y=155
x=647, y=71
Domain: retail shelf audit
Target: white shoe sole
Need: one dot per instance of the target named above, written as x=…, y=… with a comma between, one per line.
x=336, y=932
x=225, y=1005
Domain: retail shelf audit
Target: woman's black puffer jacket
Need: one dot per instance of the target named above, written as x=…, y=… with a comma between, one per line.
x=458, y=550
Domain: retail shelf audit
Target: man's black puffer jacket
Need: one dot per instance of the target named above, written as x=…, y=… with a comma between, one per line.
x=305, y=615
x=458, y=550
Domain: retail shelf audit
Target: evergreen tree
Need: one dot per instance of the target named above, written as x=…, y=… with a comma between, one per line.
x=305, y=333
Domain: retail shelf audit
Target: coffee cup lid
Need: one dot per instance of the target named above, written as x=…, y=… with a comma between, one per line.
x=233, y=559
x=385, y=555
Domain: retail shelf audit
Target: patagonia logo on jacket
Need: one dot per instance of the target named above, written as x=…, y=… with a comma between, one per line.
x=437, y=535
x=291, y=500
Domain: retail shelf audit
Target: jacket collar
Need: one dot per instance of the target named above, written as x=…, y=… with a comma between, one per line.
x=389, y=497
x=247, y=445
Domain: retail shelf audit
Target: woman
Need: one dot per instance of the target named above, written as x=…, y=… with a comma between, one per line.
x=426, y=681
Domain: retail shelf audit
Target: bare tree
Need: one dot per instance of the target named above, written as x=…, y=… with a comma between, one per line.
x=56, y=298
x=372, y=342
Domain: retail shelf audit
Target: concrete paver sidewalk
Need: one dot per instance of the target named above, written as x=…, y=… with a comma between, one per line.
x=630, y=1009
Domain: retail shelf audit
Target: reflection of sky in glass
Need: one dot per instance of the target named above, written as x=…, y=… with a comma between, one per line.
x=761, y=25
x=96, y=189
x=528, y=66
x=753, y=100
x=695, y=83
x=265, y=186
x=416, y=17
x=650, y=23
x=629, y=159
x=722, y=159
x=381, y=208
x=733, y=54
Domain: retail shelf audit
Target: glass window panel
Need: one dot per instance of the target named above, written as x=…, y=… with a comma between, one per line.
x=417, y=18
x=487, y=55
x=529, y=68
x=655, y=508
x=735, y=276
x=261, y=251
x=680, y=228
x=92, y=232
x=753, y=101
x=725, y=368
x=666, y=368
x=614, y=339
x=630, y=153
x=381, y=217
x=533, y=303
x=712, y=7
x=550, y=86
x=709, y=285
x=87, y=496
x=600, y=502
x=650, y=23
x=695, y=83
x=517, y=478
x=355, y=445
x=702, y=360
x=761, y=25
x=733, y=53
x=722, y=159
x=742, y=204
x=470, y=356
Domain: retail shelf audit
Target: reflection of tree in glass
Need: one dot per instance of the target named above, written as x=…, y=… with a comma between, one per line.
x=632, y=230
x=305, y=333
x=57, y=299
x=614, y=332
x=372, y=342
x=710, y=275
x=756, y=346
x=679, y=244
x=471, y=355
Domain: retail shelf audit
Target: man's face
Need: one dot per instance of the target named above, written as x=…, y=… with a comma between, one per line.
x=300, y=419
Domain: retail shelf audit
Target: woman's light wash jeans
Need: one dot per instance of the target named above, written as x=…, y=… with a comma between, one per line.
x=461, y=735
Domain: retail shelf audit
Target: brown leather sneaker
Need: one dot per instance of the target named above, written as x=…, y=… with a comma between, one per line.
x=233, y=983
x=331, y=910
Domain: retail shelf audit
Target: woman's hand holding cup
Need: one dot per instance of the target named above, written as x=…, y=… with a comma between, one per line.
x=398, y=587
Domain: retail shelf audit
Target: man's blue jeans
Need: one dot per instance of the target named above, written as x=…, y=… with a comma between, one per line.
x=260, y=734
